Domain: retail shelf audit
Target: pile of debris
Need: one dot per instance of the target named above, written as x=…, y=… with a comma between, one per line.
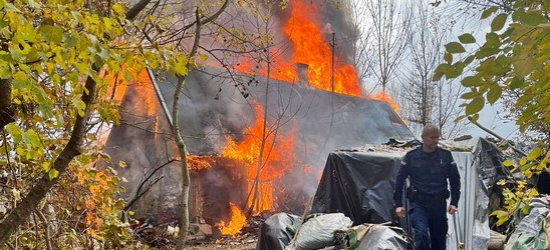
x=164, y=234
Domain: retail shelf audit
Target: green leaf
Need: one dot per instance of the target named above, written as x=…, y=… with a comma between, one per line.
x=492, y=40
x=474, y=118
x=53, y=173
x=5, y=72
x=516, y=83
x=10, y=8
x=523, y=161
x=118, y=9
x=508, y=163
x=440, y=71
x=501, y=215
x=51, y=33
x=448, y=57
x=486, y=51
x=69, y=41
x=34, y=138
x=488, y=12
x=495, y=91
x=455, y=70
x=475, y=105
x=469, y=59
x=15, y=54
x=454, y=47
x=471, y=81
x=532, y=18
x=467, y=38
x=498, y=22
x=522, y=67
x=45, y=104
x=534, y=154
x=80, y=106
x=46, y=165
x=526, y=167
x=469, y=95
x=437, y=76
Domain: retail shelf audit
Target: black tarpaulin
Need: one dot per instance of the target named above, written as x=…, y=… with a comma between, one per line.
x=358, y=184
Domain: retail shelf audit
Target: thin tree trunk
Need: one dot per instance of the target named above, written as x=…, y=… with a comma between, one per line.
x=176, y=131
x=181, y=143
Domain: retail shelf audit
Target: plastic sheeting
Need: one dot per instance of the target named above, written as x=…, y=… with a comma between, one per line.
x=381, y=237
x=277, y=231
x=318, y=232
x=529, y=234
x=358, y=184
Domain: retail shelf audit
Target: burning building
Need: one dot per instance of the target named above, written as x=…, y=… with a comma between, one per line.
x=223, y=132
x=246, y=132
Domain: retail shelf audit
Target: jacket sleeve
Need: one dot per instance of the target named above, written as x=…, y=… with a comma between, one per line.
x=454, y=181
x=402, y=174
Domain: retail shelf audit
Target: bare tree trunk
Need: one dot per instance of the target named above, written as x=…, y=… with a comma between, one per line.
x=181, y=143
x=21, y=212
x=262, y=144
x=176, y=131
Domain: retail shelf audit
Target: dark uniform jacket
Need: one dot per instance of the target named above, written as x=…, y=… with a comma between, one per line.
x=428, y=174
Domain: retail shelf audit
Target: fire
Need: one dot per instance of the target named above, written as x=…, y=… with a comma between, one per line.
x=238, y=220
x=277, y=157
x=197, y=162
x=312, y=49
x=385, y=97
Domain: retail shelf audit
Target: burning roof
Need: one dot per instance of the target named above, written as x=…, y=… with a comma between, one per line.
x=320, y=121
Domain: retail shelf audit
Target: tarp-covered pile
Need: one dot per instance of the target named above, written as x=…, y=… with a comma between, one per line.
x=328, y=231
x=359, y=184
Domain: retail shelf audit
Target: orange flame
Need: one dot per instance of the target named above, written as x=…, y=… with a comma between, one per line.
x=277, y=157
x=385, y=97
x=312, y=49
x=196, y=162
x=237, y=222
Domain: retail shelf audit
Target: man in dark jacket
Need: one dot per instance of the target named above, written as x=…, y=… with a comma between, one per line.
x=428, y=168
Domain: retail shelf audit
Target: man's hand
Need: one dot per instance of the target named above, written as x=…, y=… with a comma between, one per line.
x=452, y=209
x=400, y=211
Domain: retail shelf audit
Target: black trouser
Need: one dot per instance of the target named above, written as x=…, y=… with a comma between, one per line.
x=429, y=221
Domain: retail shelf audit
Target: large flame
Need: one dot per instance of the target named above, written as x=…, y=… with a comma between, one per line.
x=312, y=49
x=324, y=70
x=277, y=157
x=238, y=220
x=385, y=97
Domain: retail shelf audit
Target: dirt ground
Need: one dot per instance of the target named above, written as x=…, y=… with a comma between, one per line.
x=244, y=240
x=214, y=246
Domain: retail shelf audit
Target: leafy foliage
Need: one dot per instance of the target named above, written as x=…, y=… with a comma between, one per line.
x=511, y=65
x=47, y=49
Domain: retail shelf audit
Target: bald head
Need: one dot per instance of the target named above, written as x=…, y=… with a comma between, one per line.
x=430, y=128
x=430, y=137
